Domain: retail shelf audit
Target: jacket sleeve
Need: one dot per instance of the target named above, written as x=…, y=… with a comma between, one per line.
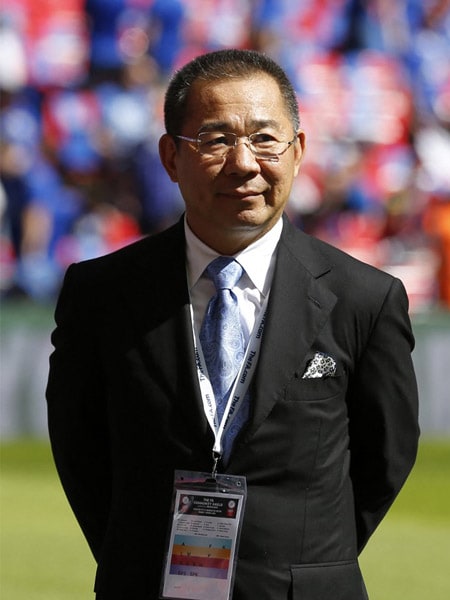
x=383, y=413
x=77, y=414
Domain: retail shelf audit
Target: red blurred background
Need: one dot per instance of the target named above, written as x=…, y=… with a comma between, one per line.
x=82, y=84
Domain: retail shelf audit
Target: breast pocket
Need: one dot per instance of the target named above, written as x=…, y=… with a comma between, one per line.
x=320, y=388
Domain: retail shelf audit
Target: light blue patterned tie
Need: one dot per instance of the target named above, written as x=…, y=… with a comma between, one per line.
x=222, y=340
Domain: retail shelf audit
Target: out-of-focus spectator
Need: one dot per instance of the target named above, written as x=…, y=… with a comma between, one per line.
x=55, y=40
x=105, y=57
x=167, y=19
x=13, y=63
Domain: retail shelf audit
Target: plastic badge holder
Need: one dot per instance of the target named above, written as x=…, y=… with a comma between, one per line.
x=202, y=543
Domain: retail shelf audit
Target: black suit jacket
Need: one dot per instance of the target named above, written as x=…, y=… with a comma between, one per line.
x=324, y=458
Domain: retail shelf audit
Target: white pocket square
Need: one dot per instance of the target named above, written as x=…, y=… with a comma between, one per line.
x=321, y=365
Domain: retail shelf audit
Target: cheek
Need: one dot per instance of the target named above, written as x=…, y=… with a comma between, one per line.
x=280, y=183
x=196, y=173
x=188, y=174
x=286, y=180
x=195, y=184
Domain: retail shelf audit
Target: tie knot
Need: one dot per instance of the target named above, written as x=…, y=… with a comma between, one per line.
x=225, y=272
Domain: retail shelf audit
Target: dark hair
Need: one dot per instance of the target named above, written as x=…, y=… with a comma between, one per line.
x=220, y=65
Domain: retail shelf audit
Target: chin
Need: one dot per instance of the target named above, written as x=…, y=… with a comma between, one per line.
x=257, y=217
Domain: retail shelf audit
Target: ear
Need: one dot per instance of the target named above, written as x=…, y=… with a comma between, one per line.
x=167, y=154
x=299, y=149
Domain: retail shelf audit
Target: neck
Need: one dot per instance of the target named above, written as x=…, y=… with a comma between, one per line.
x=230, y=243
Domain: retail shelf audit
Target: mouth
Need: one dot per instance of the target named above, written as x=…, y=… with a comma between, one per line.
x=244, y=195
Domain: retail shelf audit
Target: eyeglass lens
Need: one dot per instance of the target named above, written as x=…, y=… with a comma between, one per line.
x=219, y=143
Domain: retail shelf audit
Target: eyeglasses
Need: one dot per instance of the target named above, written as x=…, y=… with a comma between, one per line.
x=217, y=144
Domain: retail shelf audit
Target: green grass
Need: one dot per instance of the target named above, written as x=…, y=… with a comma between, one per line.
x=408, y=558
x=43, y=555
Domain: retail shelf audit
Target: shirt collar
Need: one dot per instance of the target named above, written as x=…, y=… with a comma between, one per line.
x=256, y=259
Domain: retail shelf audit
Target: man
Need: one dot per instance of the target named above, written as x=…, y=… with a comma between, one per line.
x=328, y=430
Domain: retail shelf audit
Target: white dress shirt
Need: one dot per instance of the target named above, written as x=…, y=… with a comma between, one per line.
x=258, y=262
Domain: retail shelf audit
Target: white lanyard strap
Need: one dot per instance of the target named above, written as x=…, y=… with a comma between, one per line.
x=240, y=385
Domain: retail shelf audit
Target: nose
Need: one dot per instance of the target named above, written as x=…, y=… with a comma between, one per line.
x=240, y=159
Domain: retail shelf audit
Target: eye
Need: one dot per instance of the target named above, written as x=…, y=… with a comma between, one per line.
x=213, y=140
x=263, y=140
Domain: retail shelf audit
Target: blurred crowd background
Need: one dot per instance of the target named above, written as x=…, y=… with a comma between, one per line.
x=82, y=85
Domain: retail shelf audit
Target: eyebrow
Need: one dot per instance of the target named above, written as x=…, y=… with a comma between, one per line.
x=225, y=126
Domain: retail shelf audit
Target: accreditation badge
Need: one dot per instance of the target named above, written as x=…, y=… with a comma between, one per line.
x=204, y=535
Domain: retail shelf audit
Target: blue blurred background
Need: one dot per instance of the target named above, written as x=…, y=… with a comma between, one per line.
x=82, y=85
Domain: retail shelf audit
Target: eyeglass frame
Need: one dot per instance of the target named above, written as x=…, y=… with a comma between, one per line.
x=237, y=138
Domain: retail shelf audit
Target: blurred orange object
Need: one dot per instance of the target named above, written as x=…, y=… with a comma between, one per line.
x=437, y=224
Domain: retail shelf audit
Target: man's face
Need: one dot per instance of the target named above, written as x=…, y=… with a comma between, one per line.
x=233, y=200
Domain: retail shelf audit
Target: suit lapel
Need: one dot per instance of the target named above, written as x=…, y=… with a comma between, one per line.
x=299, y=306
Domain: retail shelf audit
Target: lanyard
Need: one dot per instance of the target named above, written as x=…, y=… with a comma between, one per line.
x=240, y=385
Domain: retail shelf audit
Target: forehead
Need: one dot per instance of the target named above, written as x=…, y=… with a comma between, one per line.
x=237, y=103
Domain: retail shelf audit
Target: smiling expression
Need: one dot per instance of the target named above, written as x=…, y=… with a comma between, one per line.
x=234, y=200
